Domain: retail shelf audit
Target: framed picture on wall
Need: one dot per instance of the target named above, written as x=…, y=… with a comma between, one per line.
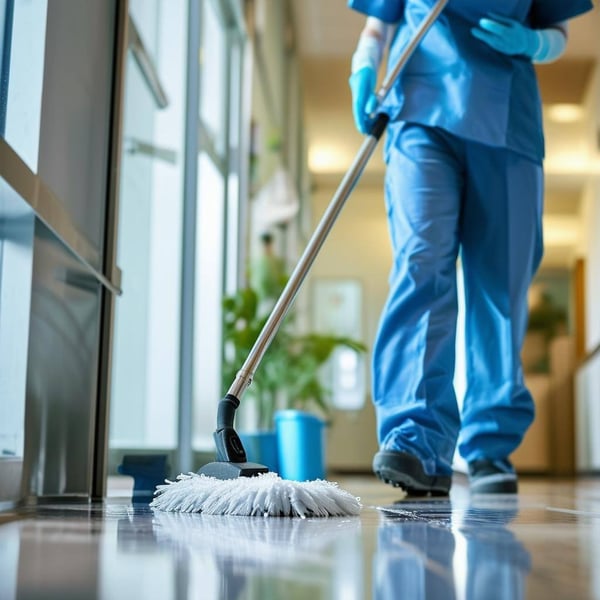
x=338, y=310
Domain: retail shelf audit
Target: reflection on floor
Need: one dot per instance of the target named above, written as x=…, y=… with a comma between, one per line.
x=543, y=544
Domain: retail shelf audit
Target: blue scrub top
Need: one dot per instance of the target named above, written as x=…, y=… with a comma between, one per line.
x=457, y=82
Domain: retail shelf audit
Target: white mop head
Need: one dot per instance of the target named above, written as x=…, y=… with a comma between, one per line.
x=263, y=495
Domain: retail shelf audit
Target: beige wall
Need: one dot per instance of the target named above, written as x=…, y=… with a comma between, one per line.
x=357, y=248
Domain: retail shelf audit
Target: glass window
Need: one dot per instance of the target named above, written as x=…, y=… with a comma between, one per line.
x=233, y=216
x=151, y=384
x=218, y=207
x=145, y=383
x=208, y=296
x=16, y=265
x=213, y=75
x=23, y=30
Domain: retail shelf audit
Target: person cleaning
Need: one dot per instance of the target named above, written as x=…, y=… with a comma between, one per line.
x=463, y=152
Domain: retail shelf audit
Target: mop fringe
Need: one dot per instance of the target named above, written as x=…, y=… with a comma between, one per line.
x=265, y=495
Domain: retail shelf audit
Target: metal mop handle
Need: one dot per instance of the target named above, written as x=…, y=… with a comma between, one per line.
x=244, y=376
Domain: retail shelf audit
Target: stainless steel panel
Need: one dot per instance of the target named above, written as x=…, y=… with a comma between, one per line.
x=11, y=470
x=62, y=374
x=66, y=281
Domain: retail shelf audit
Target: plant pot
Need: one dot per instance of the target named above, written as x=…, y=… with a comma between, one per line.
x=261, y=447
x=301, y=442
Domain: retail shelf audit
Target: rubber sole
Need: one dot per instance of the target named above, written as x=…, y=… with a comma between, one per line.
x=498, y=483
x=403, y=470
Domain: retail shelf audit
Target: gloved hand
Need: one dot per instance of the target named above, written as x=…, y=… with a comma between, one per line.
x=507, y=36
x=364, y=101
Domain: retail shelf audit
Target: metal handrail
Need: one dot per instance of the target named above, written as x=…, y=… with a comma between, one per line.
x=136, y=146
x=146, y=65
x=48, y=208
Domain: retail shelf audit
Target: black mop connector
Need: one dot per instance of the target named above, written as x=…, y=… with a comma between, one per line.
x=231, y=461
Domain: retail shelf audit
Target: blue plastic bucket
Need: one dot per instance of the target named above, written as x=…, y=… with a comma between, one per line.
x=261, y=447
x=301, y=443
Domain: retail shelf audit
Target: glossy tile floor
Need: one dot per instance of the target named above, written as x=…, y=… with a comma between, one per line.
x=543, y=544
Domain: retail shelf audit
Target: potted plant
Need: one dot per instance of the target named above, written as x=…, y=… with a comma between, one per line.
x=287, y=381
x=300, y=426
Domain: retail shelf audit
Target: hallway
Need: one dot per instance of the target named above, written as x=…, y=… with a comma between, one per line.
x=148, y=151
x=543, y=544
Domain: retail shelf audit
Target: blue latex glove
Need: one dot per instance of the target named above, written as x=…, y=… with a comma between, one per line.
x=364, y=101
x=507, y=36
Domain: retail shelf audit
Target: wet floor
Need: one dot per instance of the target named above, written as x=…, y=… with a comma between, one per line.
x=545, y=543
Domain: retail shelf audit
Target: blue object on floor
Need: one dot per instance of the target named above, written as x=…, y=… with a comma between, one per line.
x=261, y=448
x=301, y=440
x=148, y=471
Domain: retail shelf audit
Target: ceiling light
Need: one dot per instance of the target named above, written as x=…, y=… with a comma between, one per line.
x=572, y=164
x=561, y=230
x=564, y=113
x=327, y=159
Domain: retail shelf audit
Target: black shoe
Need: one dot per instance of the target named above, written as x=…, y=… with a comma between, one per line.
x=403, y=470
x=492, y=477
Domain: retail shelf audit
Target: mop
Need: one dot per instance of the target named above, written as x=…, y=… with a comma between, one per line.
x=231, y=485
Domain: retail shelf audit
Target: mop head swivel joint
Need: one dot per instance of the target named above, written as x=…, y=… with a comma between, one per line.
x=232, y=470
x=231, y=457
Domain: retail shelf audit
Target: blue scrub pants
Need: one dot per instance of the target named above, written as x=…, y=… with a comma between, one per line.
x=444, y=195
